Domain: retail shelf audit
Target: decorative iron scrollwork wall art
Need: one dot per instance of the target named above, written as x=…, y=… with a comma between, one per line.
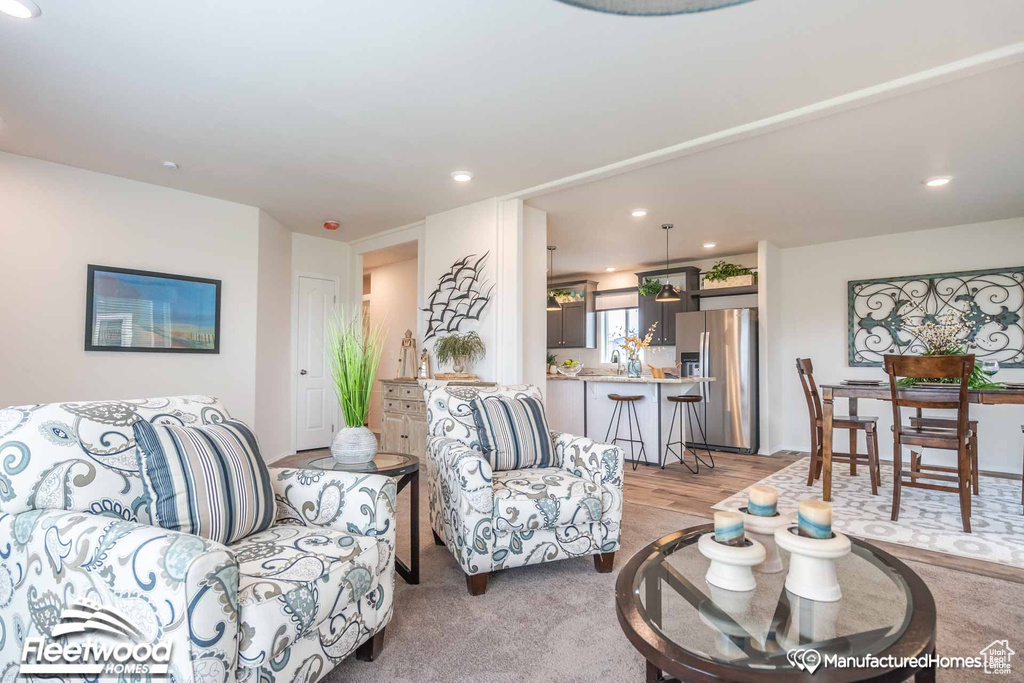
x=992, y=301
x=462, y=294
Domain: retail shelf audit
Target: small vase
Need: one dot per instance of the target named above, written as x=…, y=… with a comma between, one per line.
x=634, y=369
x=459, y=365
x=354, y=445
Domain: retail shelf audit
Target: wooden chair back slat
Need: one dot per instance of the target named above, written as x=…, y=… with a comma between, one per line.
x=925, y=368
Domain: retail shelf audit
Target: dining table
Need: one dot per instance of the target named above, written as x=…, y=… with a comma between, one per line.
x=853, y=392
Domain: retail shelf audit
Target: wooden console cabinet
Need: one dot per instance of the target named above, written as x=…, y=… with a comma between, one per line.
x=403, y=418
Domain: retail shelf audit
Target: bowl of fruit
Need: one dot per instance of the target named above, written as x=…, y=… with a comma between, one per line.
x=570, y=368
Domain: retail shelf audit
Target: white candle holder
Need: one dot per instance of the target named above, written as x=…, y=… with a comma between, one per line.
x=731, y=564
x=812, y=570
x=762, y=529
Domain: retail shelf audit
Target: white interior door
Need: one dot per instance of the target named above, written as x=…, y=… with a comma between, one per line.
x=316, y=403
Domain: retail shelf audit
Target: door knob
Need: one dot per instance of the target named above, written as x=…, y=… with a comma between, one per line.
x=303, y=372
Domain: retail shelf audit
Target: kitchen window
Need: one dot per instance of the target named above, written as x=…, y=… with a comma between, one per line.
x=613, y=327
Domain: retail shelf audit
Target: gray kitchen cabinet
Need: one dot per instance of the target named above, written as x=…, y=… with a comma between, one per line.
x=573, y=326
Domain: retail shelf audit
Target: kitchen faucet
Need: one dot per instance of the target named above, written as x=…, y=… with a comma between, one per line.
x=618, y=363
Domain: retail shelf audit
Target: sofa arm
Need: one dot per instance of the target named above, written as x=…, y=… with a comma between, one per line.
x=461, y=502
x=601, y=464
x=362, y=504
x=174, y=588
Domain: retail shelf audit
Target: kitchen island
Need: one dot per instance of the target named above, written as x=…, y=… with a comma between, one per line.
x=580, y=405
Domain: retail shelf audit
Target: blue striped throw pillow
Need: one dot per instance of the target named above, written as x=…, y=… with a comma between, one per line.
x=209, y=481
x=513, y=432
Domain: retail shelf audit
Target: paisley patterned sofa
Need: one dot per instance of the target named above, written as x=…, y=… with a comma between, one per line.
x=285, y=604
x=497, y=520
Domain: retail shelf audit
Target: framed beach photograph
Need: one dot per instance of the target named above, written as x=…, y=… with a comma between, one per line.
x=142, y=311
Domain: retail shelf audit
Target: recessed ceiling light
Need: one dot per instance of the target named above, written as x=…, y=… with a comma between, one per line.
x=169, y=165
x=462, y=176
x=938, y=181
x=610, y=269
x=21, y=9
x=639, y=213
x=710, y=245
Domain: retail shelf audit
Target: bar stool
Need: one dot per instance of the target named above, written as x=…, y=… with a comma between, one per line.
x=631, y=417
x=690, y=401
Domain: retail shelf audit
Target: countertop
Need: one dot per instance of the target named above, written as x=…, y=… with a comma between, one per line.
x=631, y=380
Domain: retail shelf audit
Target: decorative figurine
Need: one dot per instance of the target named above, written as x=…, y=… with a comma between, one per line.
x=425, y=371
x=407, y=359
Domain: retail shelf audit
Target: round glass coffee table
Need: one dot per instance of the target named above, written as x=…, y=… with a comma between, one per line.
x=405, y=470
x=689, y=630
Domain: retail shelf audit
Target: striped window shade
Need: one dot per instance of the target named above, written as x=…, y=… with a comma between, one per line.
x=611, y=302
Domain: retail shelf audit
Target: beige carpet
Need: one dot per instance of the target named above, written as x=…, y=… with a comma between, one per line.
x=929, y=520
x=556, y=622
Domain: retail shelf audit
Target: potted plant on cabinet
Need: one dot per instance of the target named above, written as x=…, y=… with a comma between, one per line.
x=649, y=287
x=353, y=348
x=728, y=275
x=552, y=368
x=460, y=350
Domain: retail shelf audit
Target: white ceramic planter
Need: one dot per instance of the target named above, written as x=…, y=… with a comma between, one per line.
x=812, y=568
x=731, y=565
x=735, y=281
x=354, y=446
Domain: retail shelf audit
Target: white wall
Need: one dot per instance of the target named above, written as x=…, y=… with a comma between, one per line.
x=273, y=340
x=54, y=221
x=535, y=321
x=450, y=236
x=393, y=305
x=814, y=319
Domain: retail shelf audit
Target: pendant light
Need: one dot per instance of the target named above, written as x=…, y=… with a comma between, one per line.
x=668, y=292
x=553, y=304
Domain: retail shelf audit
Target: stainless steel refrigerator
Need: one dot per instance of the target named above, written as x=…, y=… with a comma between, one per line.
x=723, y=344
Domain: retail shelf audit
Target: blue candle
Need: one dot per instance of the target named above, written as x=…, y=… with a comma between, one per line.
x=729, y=528
x=814, y=519
x=762, y=501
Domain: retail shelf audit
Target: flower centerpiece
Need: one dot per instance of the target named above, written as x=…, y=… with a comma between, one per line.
x=947, y=335
x=353, y=348
x=633, y=345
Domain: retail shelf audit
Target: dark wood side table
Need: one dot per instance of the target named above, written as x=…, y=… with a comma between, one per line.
x=691, y=631
x=405, y=469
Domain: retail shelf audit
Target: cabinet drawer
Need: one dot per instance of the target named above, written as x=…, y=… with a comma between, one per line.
x=413, y=391
x=391, y=390
x=397, y=405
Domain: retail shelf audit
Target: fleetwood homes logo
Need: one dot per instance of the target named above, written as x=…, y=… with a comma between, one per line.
x=120, y=651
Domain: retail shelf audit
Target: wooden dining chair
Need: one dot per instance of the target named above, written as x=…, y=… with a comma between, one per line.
x=856, y=424
x=917, y=458
x=956, y=439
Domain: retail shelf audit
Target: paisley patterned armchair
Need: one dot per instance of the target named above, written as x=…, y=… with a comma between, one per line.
x=497, y=520
x=284, y=604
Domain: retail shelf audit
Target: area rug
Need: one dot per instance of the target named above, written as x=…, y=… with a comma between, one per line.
x=556, y=622
x=929, y=520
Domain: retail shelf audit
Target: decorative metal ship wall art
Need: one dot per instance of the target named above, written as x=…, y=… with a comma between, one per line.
x=991, y=301
x=462, y=294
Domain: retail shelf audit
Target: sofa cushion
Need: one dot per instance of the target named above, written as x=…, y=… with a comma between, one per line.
x=210, y=481
x=543, y=498
x=449, y=413
x=513, y=432
x=293, y=578
x=82, y=455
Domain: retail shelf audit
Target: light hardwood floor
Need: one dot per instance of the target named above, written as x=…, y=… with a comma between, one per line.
x=676, y=488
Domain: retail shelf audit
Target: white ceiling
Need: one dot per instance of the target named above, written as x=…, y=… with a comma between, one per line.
x=853, y=174
x=359, y=111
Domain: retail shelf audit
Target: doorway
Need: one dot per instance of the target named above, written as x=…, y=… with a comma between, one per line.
x=390, y=287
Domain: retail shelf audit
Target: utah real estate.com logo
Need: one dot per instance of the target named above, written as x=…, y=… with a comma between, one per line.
x=121, y=652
